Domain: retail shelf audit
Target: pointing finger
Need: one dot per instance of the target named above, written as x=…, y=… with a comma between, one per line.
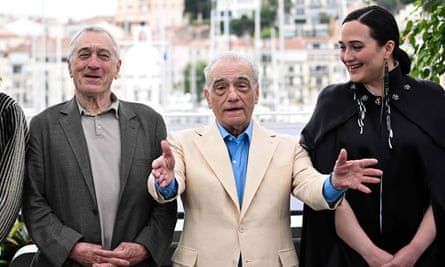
x=168, y=155
x=342, y=157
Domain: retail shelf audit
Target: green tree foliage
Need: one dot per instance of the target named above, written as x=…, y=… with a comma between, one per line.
x=243, y=26
x=268, y=14
x=199, y=12
x=426, y=35
x=198, y=9
x=246, y=25
x=18, y=237
x=268, y=21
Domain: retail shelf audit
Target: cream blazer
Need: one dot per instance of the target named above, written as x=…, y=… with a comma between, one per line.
x=216, y=230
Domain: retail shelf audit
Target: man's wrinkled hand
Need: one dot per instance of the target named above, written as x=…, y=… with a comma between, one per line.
x=354, y=174
x=163, y=167
x=88, y=254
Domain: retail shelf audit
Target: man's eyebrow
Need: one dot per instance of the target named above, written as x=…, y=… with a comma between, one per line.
x=243, y=77
x=81, y=49
x=217, y=79
x=239, y=78
x=89, y=49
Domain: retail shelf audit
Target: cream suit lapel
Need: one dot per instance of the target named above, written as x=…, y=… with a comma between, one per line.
x=210, y=143
x=262, y=148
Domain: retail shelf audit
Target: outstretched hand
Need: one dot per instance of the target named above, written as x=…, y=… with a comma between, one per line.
x=163, y=167
x=354, y=174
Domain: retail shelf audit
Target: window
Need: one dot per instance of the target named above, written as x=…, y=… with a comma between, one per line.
x=17, y=68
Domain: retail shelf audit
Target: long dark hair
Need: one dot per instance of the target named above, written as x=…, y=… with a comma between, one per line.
x=383, y=27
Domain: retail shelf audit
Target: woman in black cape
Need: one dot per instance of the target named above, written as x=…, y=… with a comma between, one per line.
x=380, y=113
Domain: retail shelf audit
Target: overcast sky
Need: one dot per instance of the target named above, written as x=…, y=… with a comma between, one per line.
x=63, y=9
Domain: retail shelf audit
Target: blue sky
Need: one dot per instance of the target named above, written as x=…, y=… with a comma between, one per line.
x=62, y=9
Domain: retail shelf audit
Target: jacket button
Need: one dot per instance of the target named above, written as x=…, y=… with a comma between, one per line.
x=407, y=87
x=378, y=101
x=95, y=212
x=364, y=98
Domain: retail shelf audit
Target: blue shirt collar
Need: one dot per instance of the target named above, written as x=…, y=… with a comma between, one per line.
x=225, y=133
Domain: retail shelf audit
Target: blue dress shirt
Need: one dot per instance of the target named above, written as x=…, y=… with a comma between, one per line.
x=238, y=148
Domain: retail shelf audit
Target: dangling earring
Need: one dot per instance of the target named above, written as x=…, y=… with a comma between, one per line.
x=388, y=108
x=386, y=79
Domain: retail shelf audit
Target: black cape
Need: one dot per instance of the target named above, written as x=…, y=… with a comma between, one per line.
x=413, y=166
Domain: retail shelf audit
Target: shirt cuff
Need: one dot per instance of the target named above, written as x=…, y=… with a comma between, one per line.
x=330, y=193
x=168, y=191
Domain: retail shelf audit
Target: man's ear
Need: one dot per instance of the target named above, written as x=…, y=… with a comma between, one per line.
x=207, y=97
x=68, y=64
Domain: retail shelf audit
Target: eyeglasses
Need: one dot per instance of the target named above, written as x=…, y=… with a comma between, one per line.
x=240, y=85
x=223, y=90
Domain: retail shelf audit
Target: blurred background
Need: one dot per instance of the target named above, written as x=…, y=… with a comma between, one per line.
x=165, y=45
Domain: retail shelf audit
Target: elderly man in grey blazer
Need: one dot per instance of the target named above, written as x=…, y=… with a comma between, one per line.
x=85, y=202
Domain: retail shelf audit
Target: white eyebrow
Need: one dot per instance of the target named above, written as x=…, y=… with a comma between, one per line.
x=241, y=77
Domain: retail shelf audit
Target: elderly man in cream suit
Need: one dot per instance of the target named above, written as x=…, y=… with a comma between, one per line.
x=235, y=177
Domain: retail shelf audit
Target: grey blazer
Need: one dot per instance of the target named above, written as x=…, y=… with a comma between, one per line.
x=60, y=206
